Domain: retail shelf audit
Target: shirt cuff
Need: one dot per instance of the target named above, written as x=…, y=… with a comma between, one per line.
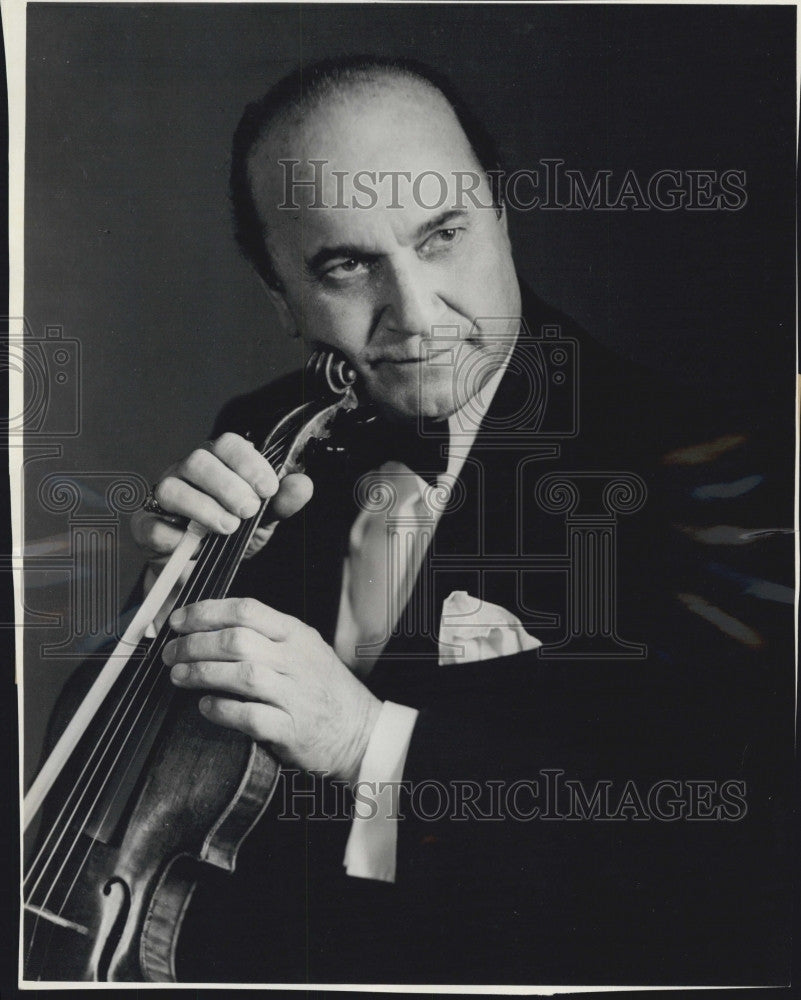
x=372, y=845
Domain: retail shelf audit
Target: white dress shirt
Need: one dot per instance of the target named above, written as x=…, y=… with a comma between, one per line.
x=385, y=553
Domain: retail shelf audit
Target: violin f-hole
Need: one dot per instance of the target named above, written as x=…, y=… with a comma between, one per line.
x=114, y=916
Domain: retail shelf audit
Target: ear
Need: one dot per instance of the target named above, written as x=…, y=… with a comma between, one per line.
x=285, y=317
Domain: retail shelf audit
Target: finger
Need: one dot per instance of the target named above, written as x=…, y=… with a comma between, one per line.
x=229, y=644
x=202, y=468
x=252, y=681
x=294, y=492
x=247, y=462
x=231, y=613
x=260, y=537
x=260, y=722
x=151, y=533
x=180, y=497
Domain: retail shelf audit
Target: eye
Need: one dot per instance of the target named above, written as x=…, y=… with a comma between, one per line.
x=345, y=269
x=441, y=239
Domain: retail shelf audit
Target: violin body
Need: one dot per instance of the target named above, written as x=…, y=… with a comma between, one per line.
x=200, y=794
x=151, y=792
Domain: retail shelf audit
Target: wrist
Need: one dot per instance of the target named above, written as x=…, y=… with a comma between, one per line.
x=370, y=711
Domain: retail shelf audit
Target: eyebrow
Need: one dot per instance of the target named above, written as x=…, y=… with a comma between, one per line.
x=346, y=251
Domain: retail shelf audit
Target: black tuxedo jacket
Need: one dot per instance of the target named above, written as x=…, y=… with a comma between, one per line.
x=635, y=898
x=643, y=692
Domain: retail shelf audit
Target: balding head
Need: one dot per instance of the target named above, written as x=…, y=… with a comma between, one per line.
x=297, y=105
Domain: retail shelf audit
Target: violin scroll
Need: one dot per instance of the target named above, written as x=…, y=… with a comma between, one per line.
x=330, y=366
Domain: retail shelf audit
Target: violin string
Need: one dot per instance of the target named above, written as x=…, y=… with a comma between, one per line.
x=239, y=546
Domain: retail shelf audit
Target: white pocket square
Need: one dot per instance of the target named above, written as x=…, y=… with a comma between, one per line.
x=471, y=629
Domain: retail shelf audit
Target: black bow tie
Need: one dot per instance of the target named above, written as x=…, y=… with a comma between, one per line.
x=422, y=445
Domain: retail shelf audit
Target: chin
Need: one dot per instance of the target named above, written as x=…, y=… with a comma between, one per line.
x=408, y=400
x=403, y=410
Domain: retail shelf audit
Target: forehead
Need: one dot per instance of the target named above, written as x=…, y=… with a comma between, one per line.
x=381, y=125
x=396, y=127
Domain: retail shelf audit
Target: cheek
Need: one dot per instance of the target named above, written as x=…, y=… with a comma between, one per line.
x=483, y=279
x=494, y=256
x=343, y=324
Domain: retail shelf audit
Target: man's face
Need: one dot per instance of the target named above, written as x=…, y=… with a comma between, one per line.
x=423, y=301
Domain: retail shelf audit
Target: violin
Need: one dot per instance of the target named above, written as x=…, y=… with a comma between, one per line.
x=141, y=792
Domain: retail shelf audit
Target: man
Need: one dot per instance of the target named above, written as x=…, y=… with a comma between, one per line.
x=366, y=198
x=417, y=270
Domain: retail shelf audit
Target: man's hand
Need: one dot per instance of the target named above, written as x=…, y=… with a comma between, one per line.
x=296, y=693
x=218, y=485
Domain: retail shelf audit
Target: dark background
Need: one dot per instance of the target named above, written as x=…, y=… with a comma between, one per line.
x=129, y=246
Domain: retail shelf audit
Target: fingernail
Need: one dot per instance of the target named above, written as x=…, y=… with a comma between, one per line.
x=178, y=617
x=168, y=654
x=228, y=523
x=179, y=672
x=205, y=704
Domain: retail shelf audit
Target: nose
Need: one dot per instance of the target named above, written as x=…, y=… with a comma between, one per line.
x=412, y=304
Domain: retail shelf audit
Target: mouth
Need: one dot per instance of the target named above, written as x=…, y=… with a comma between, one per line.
x=415, y=360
